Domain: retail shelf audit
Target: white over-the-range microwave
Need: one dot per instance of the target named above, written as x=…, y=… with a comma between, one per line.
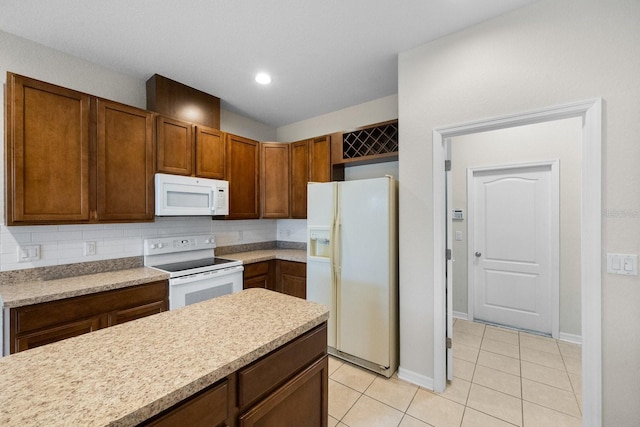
x=178, y=195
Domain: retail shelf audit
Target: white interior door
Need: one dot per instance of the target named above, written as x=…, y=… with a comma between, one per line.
x=514, y=252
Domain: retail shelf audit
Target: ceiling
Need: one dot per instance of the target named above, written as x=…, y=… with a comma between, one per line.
x=323, y=55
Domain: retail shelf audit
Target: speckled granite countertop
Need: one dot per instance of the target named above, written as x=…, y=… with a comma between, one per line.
x=21, y=294
x=297, y=255
x=122, y=375
x=37, y=291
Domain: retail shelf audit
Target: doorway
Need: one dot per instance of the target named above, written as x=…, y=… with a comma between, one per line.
x=590, y=259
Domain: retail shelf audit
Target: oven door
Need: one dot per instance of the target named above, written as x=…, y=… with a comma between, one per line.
x=198, y=287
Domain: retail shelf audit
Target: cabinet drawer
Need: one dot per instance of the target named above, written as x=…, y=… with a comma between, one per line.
x=208, y=408
x=273, y=370
x=48, y=336
x=134, y=313
x=256, y=269
x=293, y=268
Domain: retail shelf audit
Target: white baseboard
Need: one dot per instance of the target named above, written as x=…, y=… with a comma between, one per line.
x=460, y=315
x=575, y=339
x=415, y=378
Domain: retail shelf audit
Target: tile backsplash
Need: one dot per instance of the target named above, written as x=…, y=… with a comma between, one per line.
x=64, y=244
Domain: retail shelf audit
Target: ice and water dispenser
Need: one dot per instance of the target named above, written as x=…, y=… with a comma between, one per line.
x=320, y=242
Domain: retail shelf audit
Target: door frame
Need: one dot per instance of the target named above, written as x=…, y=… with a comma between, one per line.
x=591, y=239
x=554, y=255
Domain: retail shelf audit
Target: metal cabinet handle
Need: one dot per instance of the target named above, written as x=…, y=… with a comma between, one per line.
x=478, y=254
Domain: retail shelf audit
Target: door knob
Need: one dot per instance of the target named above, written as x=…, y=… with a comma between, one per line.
x=478, y=254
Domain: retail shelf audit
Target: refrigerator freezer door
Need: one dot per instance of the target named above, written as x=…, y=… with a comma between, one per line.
x=320, y=203
x=319, y=289
x=320, y=284
x=363, y=296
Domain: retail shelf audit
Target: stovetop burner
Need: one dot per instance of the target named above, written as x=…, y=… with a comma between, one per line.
x=175, y=267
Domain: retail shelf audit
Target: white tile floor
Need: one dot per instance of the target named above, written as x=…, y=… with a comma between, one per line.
x=502, y=378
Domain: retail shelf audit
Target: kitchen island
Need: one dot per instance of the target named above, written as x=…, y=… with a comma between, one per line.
x=129, y=373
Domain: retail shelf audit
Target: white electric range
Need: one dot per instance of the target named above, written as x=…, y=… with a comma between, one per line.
x=195, y=273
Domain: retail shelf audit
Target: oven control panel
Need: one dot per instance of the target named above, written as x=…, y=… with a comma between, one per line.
x=164, y=245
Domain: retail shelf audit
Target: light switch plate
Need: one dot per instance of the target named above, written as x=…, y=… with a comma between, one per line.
x=625, y=264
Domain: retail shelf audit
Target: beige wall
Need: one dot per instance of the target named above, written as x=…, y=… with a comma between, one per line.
x=375, y=111
x=240, y=125
x=551, y=52
x=562, y=140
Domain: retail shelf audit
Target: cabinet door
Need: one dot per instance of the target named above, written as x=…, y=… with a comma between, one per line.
x=274, y=179
x=261, y=281
x=259, y=275
x=243, y=157
x=299, y=178
x=210, y=153
x=58, y=333
x=124, y=163
x=320, y=159
x=47, y=156
x=174, y=145
x=292, y=278
x=303, y=401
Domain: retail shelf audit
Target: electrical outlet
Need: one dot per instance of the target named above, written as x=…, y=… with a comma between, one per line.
x=28, y=253
x=89, y=248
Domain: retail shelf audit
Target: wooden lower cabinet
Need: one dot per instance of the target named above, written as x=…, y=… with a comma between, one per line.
x=287, y=387
x=39, y=324
x=259, y=275
x=300, y=402
x=287, y=277
x=291, y=278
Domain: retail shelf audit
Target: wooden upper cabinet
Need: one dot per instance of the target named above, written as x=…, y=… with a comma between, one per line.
x=174, y=145
x=210, y=153
x=274, y=179
x=243, y=163
x=320, y=159
x=47, y=153
x=299, y=178
x=125, y=163
x=187, y=149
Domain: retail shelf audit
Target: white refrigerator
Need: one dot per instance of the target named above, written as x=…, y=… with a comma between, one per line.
x=352, y=267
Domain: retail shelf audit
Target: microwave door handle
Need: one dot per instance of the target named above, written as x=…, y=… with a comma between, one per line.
x=213, y=200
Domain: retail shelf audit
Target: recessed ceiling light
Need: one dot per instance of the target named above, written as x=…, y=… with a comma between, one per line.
x=263, y=78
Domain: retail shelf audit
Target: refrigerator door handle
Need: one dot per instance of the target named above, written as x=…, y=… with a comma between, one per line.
x=335, y=259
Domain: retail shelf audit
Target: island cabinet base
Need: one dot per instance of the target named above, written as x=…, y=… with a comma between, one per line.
x=303, y=401
x=287, y=387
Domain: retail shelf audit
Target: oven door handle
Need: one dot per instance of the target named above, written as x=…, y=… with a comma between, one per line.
x=205, y=275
